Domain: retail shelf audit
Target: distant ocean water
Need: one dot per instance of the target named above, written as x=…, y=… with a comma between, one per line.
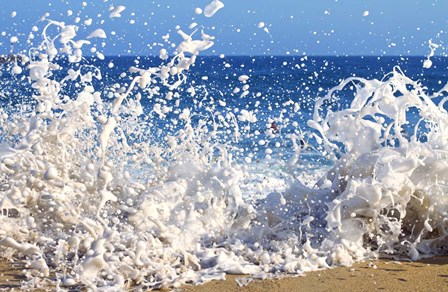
x=276, y=79
x=275, y=84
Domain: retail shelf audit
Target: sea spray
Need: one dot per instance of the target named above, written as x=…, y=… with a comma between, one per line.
x=81, y=202
x=388, y=185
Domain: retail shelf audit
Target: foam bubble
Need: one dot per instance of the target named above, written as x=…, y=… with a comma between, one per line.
x=433, y=47
x=212, y=8
x=17, y=70
x=116, y=11
x=198, y=10
x=97, y=33
x=243, y=78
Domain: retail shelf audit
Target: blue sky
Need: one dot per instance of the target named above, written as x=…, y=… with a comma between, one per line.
x=316, y=27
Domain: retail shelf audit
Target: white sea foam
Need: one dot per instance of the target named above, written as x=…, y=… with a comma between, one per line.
x=116, y=11
x=212, y=8
x=433, y=47
x=97, y=33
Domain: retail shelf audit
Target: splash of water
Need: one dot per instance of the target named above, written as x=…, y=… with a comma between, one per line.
x=389, y=182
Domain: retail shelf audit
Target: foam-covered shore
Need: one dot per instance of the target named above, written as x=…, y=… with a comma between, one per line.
x=429, y=274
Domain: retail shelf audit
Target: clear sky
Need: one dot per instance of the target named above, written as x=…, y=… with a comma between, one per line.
x=312, y=27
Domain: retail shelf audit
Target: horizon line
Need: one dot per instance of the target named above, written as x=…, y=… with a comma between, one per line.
x=275, y=55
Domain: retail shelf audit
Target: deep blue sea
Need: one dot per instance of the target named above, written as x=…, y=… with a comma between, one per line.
x=276, y=79
x=282, y=89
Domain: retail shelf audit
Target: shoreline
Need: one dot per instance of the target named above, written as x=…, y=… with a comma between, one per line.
x=429, y=274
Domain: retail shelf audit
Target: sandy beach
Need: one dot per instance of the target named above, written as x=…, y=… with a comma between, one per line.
x=383, y=275
x=10, y=275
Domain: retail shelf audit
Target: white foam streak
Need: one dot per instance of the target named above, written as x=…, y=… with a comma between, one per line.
x=116, y=11
x=433, y=47
x=212, y=8
x=97, y=33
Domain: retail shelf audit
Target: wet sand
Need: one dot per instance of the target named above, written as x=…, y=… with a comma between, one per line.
x=382, y=275
x=10, y=275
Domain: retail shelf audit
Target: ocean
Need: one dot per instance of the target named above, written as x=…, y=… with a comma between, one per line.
x=277, y=84
x=154, y=172
x=281, y=87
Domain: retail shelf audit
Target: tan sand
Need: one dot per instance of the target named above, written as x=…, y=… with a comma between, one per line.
x=383, y=275
x=424, y=275
x=10, y=275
